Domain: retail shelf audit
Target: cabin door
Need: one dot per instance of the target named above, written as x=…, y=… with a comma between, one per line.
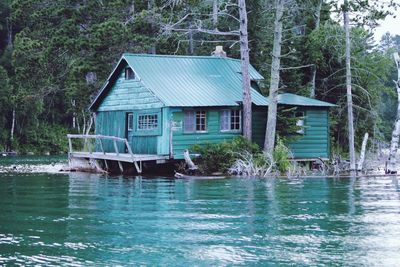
x=129, y=128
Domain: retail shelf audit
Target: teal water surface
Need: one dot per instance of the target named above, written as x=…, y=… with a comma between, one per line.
x=91, y=220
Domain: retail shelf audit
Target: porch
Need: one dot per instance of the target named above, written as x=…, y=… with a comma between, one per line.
x=92, y=149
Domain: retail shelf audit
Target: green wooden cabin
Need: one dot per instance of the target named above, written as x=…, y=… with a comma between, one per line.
x=165, y=104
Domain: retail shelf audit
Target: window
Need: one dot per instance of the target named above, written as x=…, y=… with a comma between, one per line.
x=195, y=121
x=129, y=74
x=147, y=122
x=231, y=120
x=200, y=121
x=130, y=121
x=300, y=122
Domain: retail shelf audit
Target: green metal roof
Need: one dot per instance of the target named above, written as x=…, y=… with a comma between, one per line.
x=296, y=100
x=193, y=81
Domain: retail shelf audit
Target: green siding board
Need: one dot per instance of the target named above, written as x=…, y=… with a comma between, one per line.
x=259, y=121
x=127, y=95
x=111, y=123
x=182, y=140
x=315, y=141
x=144, y=144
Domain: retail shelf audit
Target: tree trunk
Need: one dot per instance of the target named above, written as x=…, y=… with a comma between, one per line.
x=317, y=23
x=73, y=103
x=132, y=8
x=9, y=32
x=152, y=49
x=12, y=128
x=313, y=86
x=269, y=142
x=348, y=87
x=394, y=144
x=191, y=44
x=318, y=14
x=362, y=153
x=215, y=14
x=245, y=62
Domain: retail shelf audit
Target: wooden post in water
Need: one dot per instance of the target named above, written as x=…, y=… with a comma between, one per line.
x=362, y=154
x=171, y=146
x=70, y=144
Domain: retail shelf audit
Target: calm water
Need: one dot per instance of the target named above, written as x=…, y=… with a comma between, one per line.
x=82, y=219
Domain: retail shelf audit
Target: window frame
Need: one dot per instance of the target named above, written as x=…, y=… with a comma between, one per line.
x=194, y=121
x=154, y=124
x=130, y=126
x=229, y=122
x=301, y=122
x=129, y=74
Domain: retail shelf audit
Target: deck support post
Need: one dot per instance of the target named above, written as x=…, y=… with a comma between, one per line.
x=138, y=166
x=70, y=144
x=120, y=166
x=116, y=147
x=171, y=147
x=101, y=146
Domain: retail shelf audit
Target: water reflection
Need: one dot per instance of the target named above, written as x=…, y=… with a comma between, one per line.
x=92, y=219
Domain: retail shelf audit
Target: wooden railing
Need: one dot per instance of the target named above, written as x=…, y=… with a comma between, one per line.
x=100, y=138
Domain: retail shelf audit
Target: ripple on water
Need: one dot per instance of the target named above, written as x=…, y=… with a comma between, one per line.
x=81, y=219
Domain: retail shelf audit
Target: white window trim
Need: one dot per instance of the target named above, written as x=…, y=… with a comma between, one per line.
x=230, y=121
x=130, y=119
x=126, y=75
x=195, y=124
x=147, y=129
x=301, y=122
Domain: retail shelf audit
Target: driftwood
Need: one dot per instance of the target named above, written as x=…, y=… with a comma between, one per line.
x=194, y=177
x=246, y=166
x=362, y=153
x=189, y=161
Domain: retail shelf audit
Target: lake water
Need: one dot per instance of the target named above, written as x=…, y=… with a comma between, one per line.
x=82, y=219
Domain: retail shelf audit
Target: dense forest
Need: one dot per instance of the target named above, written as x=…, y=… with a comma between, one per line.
x=55, y=56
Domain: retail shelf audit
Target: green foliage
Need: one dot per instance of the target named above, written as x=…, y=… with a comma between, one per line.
x=286, y=122
x=220, y=157
x=44, y=138
x=59, y=44
x=281, y=156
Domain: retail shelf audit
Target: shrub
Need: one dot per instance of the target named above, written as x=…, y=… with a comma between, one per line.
x=220, y=157
x=281, y=156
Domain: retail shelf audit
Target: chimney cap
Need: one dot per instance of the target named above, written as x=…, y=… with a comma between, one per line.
x=219, y=51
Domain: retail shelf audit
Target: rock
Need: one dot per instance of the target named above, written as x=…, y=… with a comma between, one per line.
x=30, y=153
x=47, y=153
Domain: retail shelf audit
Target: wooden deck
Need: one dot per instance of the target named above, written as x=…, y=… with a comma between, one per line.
x=123, y=157
x=89, y=154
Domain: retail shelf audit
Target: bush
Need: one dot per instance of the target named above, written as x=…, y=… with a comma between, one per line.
x=44, y=138
x=281, y=156
x=240, y=154
x=220, y=157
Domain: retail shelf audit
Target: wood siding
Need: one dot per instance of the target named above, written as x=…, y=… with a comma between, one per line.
x=259, y=122
x=315, y=141
x=182, y=140
x=127, y=95
x=110, y=123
